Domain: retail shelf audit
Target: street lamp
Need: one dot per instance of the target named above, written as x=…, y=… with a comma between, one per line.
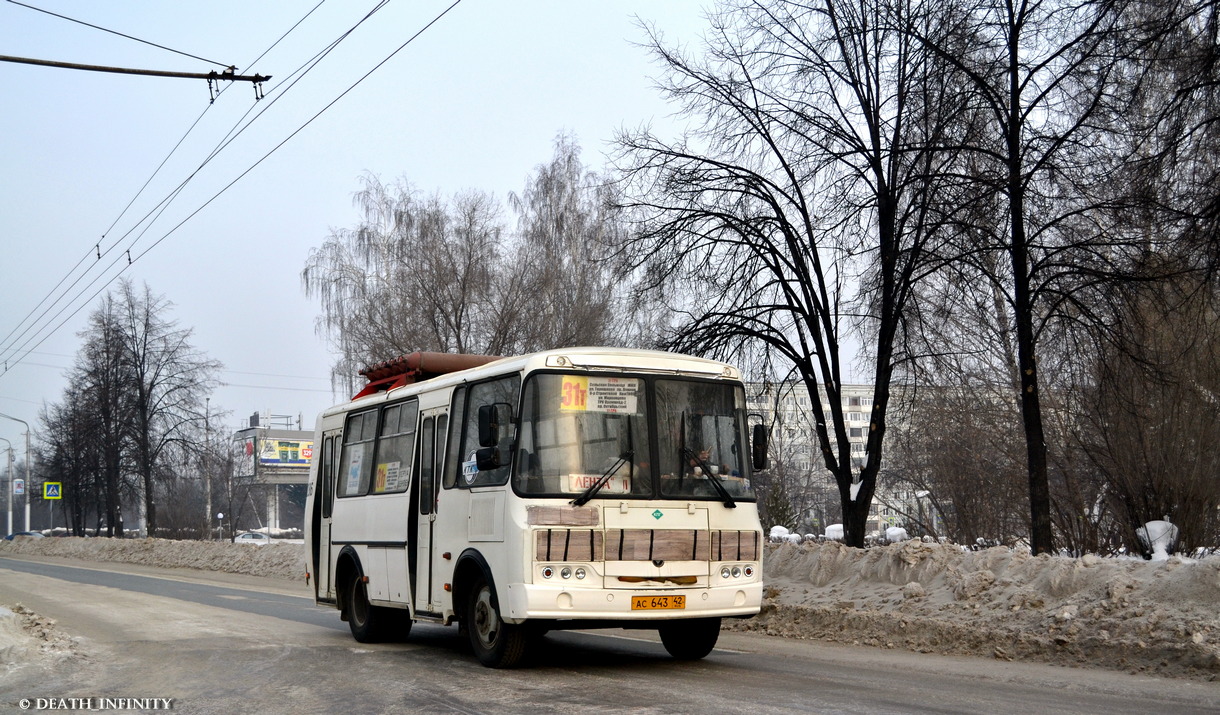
x=28, y=473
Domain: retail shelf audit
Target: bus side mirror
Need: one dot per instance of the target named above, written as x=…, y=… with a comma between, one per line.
x=489, y=426
x=487, y=458
x=758, y=447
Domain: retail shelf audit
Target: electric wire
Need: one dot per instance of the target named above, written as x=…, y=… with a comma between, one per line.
x=5, y=344
x=132, y=260
x=113, y=32
x=140, y=192
x=164, y=204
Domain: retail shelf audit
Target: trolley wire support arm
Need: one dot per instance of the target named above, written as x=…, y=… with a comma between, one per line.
x=228, y=75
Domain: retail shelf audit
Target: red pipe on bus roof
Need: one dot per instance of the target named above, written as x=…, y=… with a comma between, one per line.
x=416, y=367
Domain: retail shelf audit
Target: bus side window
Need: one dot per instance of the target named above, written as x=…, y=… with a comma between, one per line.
x=395, y=448
x=357, y=464
x=453, y=458
x=503, y=393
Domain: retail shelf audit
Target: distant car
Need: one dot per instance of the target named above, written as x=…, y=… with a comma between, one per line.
x=31, y=534
x=253, y=537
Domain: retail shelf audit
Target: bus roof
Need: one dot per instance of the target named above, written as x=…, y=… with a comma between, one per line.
x=441, y=369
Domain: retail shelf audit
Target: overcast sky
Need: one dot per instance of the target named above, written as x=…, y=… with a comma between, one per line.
x=475, y=102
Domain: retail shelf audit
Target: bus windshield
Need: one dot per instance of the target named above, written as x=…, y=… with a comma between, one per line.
x=579, y=430
x=576, y=428
x=701, y=433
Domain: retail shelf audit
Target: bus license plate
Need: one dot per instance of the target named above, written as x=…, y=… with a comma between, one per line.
x=647, y=603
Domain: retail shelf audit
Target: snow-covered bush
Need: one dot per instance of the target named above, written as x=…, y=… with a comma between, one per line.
x=835, y=532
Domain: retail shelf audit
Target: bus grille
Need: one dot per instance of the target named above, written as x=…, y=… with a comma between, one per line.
x=645, y=545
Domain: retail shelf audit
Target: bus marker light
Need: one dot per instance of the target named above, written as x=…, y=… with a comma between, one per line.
x=448, y=587
x=748, y=571
x=364, y=579
x=446, y=556
x=547, y=572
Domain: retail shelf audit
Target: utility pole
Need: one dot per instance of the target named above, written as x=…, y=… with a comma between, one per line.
x=207, y=472
x=8, y=489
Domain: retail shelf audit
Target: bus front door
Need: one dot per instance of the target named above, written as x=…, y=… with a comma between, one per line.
x=326, y=486
x=433, y=425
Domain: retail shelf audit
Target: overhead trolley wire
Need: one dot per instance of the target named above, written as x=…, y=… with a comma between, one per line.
x=120, y=34
x=224, y=189
x=5, y=345
x=160, y=208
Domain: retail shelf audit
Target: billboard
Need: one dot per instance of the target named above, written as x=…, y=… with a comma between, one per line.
x=288, y=453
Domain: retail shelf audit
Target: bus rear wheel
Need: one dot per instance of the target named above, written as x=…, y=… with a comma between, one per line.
x=496, y=644
x=690, y=638
x=373, y=624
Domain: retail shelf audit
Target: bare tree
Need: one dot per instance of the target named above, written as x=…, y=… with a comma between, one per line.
x=101, y=378
x=1151, y=417
x=447, y=274
x=802, y=205
x=72, y=453
x=566, y=221
x=168, y=379
x=956, y=448
x=1047, y=78
x=410, y=276
x=134, y=392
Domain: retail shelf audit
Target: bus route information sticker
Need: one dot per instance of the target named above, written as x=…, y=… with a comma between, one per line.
x=388, y=476
x=353, y=469
x=583, y=393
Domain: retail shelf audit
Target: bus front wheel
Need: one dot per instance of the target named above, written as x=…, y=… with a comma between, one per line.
x=496, y=644
x=690, y=638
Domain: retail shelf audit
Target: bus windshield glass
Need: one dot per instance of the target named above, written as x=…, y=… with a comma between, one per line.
x=581, y=430
x=701, y=433
x=577, y=429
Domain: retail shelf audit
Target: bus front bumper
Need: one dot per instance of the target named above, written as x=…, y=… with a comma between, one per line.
x=529, y=601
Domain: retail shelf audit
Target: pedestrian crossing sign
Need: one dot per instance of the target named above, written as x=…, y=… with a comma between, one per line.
x=50, y=490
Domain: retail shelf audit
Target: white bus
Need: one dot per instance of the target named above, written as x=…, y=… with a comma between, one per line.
x=575, y=488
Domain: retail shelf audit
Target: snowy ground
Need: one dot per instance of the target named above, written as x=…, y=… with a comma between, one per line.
x=1158, y=618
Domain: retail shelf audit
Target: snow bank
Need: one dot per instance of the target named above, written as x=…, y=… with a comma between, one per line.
x=1137, y=615
x=28, y=639
x=275, y=560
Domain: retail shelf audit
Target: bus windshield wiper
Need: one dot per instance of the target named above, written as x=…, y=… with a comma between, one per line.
x=711, y=477
x=595, y=487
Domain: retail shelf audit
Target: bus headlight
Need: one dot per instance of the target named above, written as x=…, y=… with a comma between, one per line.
x=580, y=573
x=565, y=572
x=725, y=573
x=736, y=572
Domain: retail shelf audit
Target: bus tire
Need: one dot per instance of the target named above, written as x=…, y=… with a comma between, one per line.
x=369, y=623
x=690, y=638
x=496, y=644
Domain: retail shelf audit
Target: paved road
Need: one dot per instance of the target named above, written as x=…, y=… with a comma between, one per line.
x=217, y=643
